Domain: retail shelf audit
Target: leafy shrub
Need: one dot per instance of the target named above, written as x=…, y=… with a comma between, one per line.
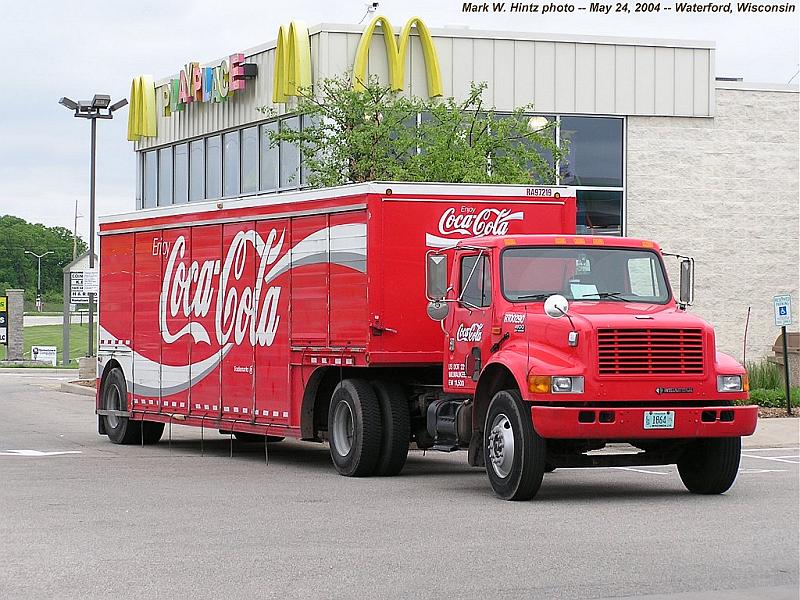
x=771, y=398
x=765, y=375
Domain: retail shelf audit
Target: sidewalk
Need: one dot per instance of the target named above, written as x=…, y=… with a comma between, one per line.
x=774, y=432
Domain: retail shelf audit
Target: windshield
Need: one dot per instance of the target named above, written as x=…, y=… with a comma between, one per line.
x=617, y=274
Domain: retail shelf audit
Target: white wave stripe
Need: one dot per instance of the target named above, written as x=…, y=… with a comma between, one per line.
x=344, y=245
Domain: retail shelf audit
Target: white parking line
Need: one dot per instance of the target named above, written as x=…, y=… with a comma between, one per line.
x=640, y=471
x=776, y=458
x=789, y=448
x=752, y=471
x=36, y=453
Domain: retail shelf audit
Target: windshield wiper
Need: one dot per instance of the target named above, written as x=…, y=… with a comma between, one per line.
x=603, y=295
x=540, y=296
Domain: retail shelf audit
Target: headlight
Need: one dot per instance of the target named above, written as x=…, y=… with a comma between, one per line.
x=556, y=384
x=729, y=383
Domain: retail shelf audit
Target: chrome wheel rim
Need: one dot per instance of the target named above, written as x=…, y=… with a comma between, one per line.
x=501, y=446
x=113, y=403
x=342, y=434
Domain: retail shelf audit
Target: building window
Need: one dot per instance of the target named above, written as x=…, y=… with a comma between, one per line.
x=249, y=160
x=181, y=174
x=594, y=151
x=165, y=176
x=150, y=191
x=289, y=156
x=599, y=212
x=269, y=159
x=214, y=167
x=197, y=170
x=230, y=164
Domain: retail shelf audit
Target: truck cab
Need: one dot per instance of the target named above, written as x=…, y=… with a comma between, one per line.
x=557, y=345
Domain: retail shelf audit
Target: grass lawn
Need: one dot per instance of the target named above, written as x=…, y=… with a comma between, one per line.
x=50, y=335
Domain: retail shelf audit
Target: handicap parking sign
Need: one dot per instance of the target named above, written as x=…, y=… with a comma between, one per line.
x=783, y=310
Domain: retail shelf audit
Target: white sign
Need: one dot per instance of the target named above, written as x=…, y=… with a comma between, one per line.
x=91, y=282
x=80, y=286
x=45, y=354
x=782, y=305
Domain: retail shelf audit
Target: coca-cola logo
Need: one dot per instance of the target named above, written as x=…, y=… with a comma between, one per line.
x=247, y=312
x=468, y=221
x=469, y=333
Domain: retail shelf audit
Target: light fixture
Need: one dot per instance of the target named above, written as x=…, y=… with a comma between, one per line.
x=101, y=101
x=537, y=123
x=118, y=105
x=70, y=104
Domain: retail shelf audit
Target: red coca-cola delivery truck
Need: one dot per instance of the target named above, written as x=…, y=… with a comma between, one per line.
x=380, y=314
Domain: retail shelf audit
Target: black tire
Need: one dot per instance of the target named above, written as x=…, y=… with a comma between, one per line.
x=120, y=430
x=508, y=423
x=710, y=465
x=396, y=424
x=354, y=428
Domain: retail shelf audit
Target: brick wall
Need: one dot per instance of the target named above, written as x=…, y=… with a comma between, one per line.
x=725, y=191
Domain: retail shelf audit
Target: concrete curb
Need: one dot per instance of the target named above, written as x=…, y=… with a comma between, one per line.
x=776, y=432
x=74, y=388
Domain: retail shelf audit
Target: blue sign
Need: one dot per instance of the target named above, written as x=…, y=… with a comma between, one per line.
x=782, y=306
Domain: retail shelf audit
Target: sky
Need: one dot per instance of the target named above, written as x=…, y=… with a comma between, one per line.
x=54, y=49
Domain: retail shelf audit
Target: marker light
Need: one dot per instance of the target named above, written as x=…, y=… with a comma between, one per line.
x=539, y=384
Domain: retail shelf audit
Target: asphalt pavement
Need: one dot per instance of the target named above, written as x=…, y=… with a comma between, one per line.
x=83, y=518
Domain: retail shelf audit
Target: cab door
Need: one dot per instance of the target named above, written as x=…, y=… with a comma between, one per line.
x=470, y=322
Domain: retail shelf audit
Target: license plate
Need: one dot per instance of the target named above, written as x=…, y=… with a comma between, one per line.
x=659, y=419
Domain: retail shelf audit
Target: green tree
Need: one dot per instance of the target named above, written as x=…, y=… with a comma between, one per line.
x=351, y=136
x=19, y=270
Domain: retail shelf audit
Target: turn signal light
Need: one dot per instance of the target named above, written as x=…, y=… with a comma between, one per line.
x=539, y=384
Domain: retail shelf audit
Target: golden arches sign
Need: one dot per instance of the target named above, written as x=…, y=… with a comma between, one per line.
x=396, y=54
x=292, y=62
x=142, y=112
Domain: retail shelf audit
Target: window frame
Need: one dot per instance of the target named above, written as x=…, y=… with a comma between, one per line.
x=659, y=259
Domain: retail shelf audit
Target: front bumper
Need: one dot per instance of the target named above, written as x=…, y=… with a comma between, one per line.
x=628, y=423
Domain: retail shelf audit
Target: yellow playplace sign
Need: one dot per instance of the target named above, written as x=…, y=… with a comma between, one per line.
x=292, y=73
x=396, y=54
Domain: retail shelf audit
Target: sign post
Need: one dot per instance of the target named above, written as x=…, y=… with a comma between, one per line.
x=782, y=306
x=4, y=320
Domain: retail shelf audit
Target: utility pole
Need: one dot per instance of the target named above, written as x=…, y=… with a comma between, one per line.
x=75, y=233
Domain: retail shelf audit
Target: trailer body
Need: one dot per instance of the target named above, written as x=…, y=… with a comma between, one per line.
x=229, y=314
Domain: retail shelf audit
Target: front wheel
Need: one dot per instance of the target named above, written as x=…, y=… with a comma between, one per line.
x=710, y=465
x=513, y=452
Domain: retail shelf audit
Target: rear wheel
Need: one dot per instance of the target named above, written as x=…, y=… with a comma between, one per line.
x=396, y=424
x=514, y=453
x=710, y=465
x=354, y=428
x=120, y=430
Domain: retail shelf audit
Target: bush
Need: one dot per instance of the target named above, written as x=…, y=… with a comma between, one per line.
x=765, y=375
x=771, y=398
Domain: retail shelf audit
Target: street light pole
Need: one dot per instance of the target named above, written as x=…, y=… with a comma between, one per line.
x=39, y=258
x=99, y=107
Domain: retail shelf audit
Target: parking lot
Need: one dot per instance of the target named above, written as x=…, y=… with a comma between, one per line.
x=83, y=518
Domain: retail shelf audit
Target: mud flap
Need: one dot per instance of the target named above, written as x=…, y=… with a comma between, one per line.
x=475, y=452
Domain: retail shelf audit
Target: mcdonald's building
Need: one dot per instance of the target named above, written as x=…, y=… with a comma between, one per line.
x=660, y=147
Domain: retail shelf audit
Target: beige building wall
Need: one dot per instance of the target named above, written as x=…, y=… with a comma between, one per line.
x=725, y=191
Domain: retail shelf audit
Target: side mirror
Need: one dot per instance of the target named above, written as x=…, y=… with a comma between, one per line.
x=436, y=277
x=687, y=282
x=556, y=306
x=438, y=310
